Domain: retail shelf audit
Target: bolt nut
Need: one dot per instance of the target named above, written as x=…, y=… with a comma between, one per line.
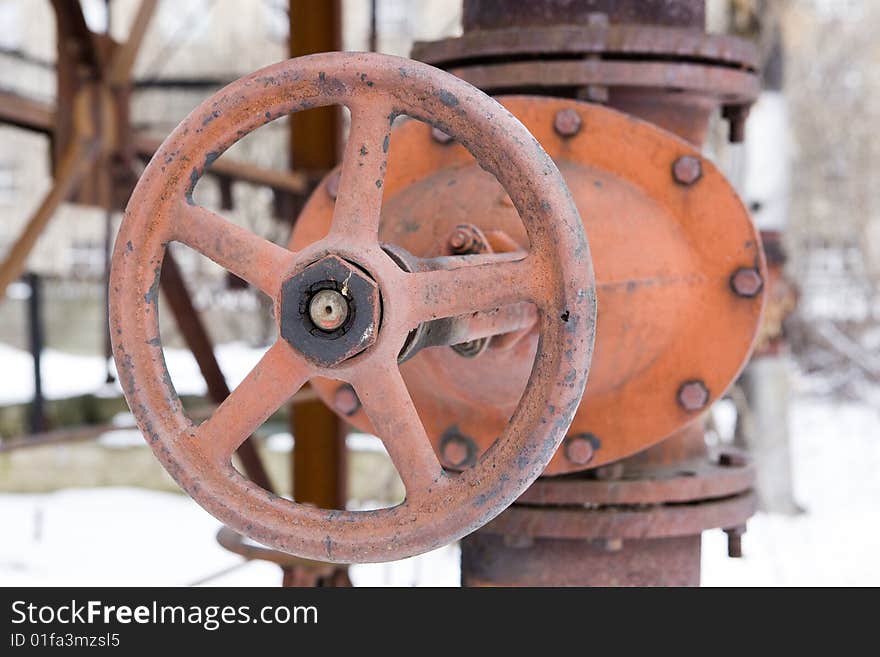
x=567, y=122
x=734, y=541
x=732, y=460
x=612, y=472
x=693, y=395
x=467, y=239
x=471, y=348
x=579, y=449
x=355, y=311
x=441, y=137
x=332, y=184
x=457, y=450
x=746, y=282
x=687, y=170
x=346, y=400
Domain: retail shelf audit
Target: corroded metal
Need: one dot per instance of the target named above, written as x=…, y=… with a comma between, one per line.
x=655, y=335
x=554, y=275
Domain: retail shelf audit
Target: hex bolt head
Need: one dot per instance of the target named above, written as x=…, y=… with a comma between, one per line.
x=346, y=401
x=687, y=170
x=455, y=453
x=693, y=395
x=440, y=137
x=732, y=460
x=461, y=240
x=332, y=185
x=471, y=348
x=734, y=541
x=328, y=309
x=567, y=122
x=457, y=450
x=746, y=282
x=579, y=449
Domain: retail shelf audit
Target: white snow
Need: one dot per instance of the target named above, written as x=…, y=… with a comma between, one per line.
x=69, y=375
x=119, y=536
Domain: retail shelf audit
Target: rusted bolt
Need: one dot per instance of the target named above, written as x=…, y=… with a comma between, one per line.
x=693, y=395
x=736, y=116
x=579, y=449
x=567, y=122
x=332, y=185
x=440, y=137
x=466, y=239
x=732, y=460
x=746, y=282
x=346, y=400
x=461, y=240
x=457, y=450
x=328, y=310
x=471, y=348
x=734, y=541
x=611, y=472
x=687, y=170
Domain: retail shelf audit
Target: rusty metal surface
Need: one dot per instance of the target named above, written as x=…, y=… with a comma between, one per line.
x=668, y=314
x=674, y=77
x=684, y=481
x=199, y=342
x=488, y=560
x=555, y=276
x=731, y=85
x=487, y=14
x=296, y=571
x=610, y=41
x=625, y=522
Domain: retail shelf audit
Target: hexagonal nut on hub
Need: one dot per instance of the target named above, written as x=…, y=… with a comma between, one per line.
x=330, y=311
x=746, y=282
x=693, y=395
x=687, y=170
x=457, y=450
x=567, y=122
x=580, y=448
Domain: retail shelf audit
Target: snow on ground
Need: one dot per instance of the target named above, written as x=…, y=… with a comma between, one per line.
x=129, y=537
x=132, y=537
x=118, y=536
x=836, y=456
x=70, y=375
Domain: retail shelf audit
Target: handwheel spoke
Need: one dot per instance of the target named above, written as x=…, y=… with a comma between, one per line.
x=467, y=284
x=387, y=402
x=267, y=387
x=247, y=255
x=359, y=199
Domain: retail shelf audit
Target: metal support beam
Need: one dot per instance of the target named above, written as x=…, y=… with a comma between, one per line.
x=76, y=161
x=197, y=339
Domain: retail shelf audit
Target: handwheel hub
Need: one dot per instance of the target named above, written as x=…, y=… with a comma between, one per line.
x=330, y=311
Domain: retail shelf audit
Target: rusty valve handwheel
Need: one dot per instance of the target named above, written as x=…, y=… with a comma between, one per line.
x=345, y=308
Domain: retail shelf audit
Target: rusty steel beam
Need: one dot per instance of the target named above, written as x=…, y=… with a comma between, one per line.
x=122, y=63
x=26, y=113
x=291, y=182
x=78, y=157
x=199, y=342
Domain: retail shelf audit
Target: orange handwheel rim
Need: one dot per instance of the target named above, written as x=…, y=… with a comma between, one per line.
x=554, y=275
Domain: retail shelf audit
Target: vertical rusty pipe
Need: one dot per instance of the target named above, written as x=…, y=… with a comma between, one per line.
x=319, y=452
